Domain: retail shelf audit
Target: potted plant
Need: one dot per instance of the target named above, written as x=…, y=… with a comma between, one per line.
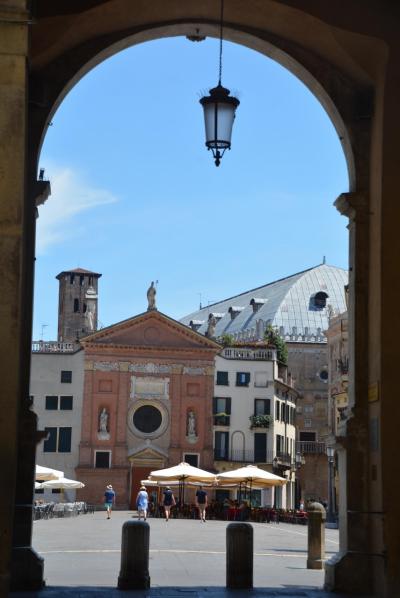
x=260, y=421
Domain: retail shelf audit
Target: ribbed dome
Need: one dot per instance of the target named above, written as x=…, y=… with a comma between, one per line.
x=298, y=305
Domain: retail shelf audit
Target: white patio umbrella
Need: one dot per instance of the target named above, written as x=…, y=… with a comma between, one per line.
x=37, y=485
x=62, y=483
x=251, y=474
x=42, y=474
x=182, y=473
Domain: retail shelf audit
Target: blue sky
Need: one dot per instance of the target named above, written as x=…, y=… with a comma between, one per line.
x=136, y=195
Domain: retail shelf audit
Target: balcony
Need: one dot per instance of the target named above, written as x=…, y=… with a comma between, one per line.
x=221, y=420
x=53, y=347
x=249, y=354
x=310, y=447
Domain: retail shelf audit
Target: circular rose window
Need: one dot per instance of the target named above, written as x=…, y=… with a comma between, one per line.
x=147, y=419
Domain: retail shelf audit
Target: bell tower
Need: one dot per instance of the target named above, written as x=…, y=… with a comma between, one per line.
x=77, y=304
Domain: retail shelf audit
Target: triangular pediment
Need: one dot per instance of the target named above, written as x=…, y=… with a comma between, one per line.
x=151, y=329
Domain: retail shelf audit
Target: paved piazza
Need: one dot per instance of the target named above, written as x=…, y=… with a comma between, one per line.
x=187, y=558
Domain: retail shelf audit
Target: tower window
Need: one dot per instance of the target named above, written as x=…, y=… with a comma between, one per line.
x=320, y=299
x=72, y=278
x=81, y=280
x=76, y=305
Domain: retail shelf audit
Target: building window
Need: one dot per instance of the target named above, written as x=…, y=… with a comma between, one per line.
x=260, y=448
x=308, y=408
x=242, y=378
x=72, y=278
x=76, y=305
x=147, y=419
x=261, y=379
x=221, y=411
x=50, y=444
x=66, y=376
x=307, y=436
x=280, y=444
x=262, y=407
x=320, y=299
x=102, y=459
x=66, y=403
x=277, y=410
x=222, y=378
x=191, y=458
x=81, y=280
x=324, y=375
x=51, y=403
x=307, y=423
x=221, y=450
x=64, y=440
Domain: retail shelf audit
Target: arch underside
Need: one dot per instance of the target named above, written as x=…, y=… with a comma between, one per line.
x=59, y=63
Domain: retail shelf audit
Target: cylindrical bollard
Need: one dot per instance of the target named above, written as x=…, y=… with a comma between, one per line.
x=316, y=536
x=134, y=573
x=239, y=556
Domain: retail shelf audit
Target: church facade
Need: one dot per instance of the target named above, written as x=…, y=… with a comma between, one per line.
x=147, y=403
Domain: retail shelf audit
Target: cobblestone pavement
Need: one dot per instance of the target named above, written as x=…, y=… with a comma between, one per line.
x=187, y=559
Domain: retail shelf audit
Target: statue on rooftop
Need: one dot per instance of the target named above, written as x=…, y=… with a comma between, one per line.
x=212, y=322
x=151, y=297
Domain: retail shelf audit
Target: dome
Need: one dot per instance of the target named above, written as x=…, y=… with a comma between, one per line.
x=298, y=305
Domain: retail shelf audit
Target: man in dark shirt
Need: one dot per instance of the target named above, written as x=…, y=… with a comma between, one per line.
x=201, y=503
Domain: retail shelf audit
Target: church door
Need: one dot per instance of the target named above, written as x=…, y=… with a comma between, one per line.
x=138, y=474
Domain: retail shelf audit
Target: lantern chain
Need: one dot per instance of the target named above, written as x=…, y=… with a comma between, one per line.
x=220, y=41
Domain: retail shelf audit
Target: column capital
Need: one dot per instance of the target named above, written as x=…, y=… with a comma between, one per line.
x=353, y=204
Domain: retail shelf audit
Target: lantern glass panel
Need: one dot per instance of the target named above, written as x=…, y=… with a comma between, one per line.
x=218, y=118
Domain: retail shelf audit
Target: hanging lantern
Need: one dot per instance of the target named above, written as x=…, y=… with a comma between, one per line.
x=219, y=111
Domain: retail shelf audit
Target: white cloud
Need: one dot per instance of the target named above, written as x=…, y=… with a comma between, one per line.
x=70, y=195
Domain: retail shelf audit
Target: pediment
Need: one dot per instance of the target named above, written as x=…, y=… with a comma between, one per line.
x=151, y=329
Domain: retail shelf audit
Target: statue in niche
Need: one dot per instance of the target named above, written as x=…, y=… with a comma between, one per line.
x=212, y=322
x=89, y=315
x=103, y=433
x=151, y=297
x=191, y=424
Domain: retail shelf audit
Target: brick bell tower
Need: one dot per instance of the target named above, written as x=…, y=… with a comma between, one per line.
x=77, y=304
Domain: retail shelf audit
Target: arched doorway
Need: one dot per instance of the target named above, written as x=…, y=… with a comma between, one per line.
x=334, y=75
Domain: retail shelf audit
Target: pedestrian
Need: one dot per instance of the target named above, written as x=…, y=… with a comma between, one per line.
x=109, y=500
x=168, y=502
x=142, y=502
x=201, y=503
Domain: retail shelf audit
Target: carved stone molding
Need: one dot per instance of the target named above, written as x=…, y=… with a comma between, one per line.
x=353, y=205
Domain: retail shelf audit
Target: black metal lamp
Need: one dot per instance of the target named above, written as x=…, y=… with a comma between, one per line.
x=219, y=111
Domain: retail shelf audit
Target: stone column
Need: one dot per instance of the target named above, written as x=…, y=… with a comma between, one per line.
x=134, y=573
x=17, y=224
x=350, y=569
x=239, y=556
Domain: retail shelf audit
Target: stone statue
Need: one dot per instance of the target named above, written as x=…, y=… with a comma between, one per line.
x=103, y=421
x=151, y=297
x=212, y=322
x=90, y=315
x=191, y=424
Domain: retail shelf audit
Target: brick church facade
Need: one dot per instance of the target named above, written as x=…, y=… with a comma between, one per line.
x=147, y=403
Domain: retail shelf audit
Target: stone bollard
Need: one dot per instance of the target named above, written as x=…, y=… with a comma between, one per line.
x=239, y=556
x=134, y=572
x=316, y=536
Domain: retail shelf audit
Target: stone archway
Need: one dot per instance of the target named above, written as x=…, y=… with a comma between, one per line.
x=341, y=56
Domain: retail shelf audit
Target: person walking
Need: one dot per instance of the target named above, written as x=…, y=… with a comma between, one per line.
x=201, y=503
x=168, y=502
x=142, y=503
x=109, y=500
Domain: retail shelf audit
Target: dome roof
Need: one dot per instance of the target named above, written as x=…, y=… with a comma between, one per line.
x=299, y=306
